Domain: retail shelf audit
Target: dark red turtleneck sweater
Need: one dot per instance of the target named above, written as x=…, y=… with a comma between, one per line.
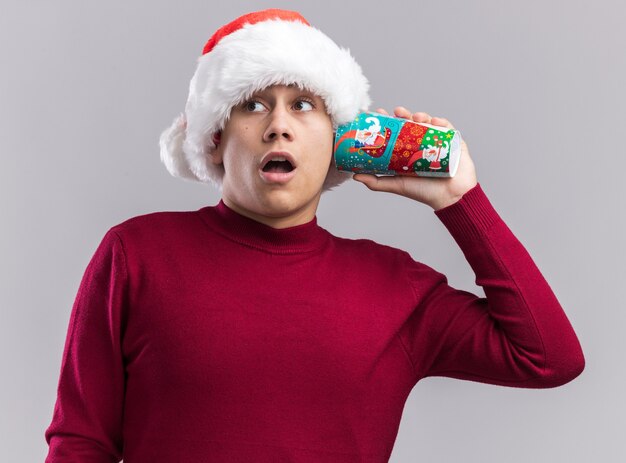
x=204, y=336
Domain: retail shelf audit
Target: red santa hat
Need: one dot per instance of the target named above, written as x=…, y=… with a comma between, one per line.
x=253, y=52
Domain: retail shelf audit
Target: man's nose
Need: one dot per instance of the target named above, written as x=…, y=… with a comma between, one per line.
x=279, y=125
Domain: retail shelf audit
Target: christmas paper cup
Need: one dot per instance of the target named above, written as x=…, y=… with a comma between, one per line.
x=374, y=143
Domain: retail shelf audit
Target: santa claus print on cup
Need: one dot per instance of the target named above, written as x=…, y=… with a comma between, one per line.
x=375, y=143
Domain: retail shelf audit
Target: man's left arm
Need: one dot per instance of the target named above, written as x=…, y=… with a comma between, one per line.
x=518, y=335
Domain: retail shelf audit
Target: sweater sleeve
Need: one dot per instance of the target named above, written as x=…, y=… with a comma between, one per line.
x=517, y=336
x=87, y=418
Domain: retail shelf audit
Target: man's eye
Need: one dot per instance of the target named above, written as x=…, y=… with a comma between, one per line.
x=304, y=105
x=253, y=106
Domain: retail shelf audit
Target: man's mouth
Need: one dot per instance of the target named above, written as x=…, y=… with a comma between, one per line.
x=278, y=166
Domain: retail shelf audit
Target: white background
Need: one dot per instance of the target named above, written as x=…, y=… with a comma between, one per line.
x=536, y=89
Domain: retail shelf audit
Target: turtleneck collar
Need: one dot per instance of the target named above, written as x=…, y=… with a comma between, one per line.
x=239, y=228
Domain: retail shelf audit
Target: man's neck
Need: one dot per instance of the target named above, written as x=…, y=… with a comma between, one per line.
x=298, y=217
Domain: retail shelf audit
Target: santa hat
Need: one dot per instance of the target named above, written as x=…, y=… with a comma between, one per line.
x=253, y=52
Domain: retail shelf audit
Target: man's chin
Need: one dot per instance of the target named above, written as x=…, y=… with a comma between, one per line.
x=286, y=207
x=276, y=206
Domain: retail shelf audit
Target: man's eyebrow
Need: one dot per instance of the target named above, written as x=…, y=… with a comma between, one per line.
x=293, y=87
x=308, y=92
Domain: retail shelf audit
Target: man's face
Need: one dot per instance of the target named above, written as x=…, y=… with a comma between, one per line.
x=277, y=119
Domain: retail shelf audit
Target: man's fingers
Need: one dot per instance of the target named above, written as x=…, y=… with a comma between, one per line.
x=422, y=117
x=442, y=122
x=401, y=111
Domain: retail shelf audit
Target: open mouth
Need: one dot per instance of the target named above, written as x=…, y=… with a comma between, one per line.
x=278, y=166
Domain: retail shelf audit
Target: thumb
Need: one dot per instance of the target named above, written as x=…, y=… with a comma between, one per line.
x=375, y=183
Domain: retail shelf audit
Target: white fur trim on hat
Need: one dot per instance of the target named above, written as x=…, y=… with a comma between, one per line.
x=250, y=59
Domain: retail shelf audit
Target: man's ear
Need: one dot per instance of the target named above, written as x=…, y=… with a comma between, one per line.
x=216, y=156
x=217, y=136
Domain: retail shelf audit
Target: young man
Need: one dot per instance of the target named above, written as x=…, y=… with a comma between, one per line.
x=245, y=331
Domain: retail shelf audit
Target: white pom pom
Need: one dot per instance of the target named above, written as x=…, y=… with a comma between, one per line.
x=171, y=143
